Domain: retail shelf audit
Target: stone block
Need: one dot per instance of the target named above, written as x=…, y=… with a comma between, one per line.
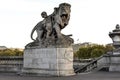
x=65, y=66
x=115, y=67
x=115, y=59
x=50, y=61
x=53, y=66
x=114, y=63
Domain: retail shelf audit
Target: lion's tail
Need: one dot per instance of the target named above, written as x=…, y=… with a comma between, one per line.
x=33, y=30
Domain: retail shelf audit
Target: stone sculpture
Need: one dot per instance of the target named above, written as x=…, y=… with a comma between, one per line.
x=51, y=52
x=49, y=29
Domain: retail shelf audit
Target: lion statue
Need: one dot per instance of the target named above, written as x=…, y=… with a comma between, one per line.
x=49, y=29
x=52, y=25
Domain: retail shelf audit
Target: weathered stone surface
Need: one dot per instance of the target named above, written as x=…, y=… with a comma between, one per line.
x=65, y=41
x=50, y=61
x=114, y=63
x=115, y=56
x=51, y=52
x=49, y=29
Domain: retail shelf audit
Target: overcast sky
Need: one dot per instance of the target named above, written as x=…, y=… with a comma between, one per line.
x=91, y=20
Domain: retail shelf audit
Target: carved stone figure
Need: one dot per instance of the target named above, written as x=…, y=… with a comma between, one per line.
x=61, y=18
x=49, y=29
x=43, y=28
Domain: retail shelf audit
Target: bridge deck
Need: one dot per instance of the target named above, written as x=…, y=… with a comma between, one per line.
x=82, y=76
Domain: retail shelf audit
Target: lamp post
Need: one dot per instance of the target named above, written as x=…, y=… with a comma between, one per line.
x=114, y=58
x=115, y=35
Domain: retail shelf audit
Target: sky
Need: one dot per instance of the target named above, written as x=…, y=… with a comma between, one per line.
x=90, y=20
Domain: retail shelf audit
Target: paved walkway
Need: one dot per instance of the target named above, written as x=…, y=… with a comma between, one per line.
x=83, y=76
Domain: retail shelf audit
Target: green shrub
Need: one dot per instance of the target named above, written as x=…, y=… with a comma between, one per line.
x=92, y=51
x=11, y=52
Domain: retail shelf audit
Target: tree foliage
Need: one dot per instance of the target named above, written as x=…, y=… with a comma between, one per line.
x=92, y=51
x=11, y=52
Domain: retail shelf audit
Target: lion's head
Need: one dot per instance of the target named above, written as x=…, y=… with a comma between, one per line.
x=63, y=14
x=65, y=10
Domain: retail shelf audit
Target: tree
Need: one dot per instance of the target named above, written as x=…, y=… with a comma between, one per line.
x=18, y=52
x=97, y=53
x=109, y=48
x=84, y=52
x=92, y=51
x=11, y=52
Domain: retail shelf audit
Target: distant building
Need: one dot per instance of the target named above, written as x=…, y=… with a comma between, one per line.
x=110, y=44
x=20, y=49
x=76, y=47
x=3, y=47
x=79, y=45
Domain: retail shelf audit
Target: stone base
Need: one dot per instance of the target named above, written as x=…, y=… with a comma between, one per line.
x=114, y=63
x=48, y=61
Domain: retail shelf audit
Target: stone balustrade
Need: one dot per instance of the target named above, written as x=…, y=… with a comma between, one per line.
x=11, y=63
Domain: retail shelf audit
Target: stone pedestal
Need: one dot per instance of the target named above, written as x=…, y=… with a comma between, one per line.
x=48, y=61
x=115, y=57
x=114, y=63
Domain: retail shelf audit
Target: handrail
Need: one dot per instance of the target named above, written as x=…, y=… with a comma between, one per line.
x=11, y=63
x=82, y=69
x=11, y=57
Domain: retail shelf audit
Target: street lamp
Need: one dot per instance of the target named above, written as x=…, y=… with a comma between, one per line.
x=115, y=35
